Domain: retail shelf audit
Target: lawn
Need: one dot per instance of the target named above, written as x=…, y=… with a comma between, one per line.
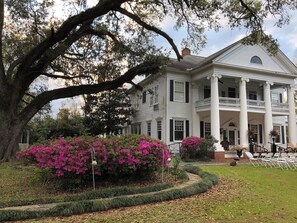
x=244, y=194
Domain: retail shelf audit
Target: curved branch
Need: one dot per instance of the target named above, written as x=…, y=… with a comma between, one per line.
x=151, y=28
x=102, y=8
x=65, y=77
x=147, y=67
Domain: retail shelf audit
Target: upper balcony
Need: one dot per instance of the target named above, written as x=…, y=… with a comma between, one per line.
x=233, y=104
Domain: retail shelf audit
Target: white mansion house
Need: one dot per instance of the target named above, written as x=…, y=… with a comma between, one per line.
x=241, y=87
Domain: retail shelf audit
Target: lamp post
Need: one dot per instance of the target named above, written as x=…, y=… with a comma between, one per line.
x=94, y=163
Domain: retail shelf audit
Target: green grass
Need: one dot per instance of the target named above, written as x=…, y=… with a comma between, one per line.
x=245, y=194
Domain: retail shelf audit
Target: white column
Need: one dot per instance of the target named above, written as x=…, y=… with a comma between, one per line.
x=195, y=115
x=268, y=125
x=292, y=116
x=243, y=113
x=215, y=110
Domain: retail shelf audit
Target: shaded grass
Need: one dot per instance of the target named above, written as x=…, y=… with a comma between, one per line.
x=244, y=194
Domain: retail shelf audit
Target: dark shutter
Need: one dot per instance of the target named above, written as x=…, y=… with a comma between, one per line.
x=201, y=129
x=283, y=134
x=187, y=128
x=260, y=134
x=144, y=97
x=171, y=130
x=187, y=92
x=171, y=90
x=280, y=98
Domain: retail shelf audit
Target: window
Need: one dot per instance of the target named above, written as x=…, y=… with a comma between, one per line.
x=253, y=95
x=278, y=129
x=154, y=95
x=149, y=128
x=254, y=130
x=159, y=129
x=207, y=129
x=231, y=92
x=136, y=128
x=206, y=92
x=143, y=97
x=256, y=60
x=179, y=91
x=276, y=98
x=178, y=129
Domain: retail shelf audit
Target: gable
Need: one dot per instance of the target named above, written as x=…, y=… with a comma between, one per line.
x=241, y=55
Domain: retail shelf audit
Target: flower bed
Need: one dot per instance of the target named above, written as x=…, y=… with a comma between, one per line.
x=115, y=156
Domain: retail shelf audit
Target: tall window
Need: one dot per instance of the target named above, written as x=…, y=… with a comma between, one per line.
x=278, y=129
x=253, y=95
x=159, y=129
x=178, y=129
x=206, y=92
x=149, y=128
x=231, y=92
x=154, y=95
x=207, y=129
x=179, y=91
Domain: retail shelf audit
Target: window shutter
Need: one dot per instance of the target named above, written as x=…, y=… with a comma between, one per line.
x=171, y=90
x=260, y=134
x=187, y=128
x=144, y=97
x=280, y=98
x=171, y=130
x=283, y=134
x=201, y=129
x=187, y=92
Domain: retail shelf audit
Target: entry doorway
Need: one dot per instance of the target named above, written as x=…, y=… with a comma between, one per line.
x=232, y=135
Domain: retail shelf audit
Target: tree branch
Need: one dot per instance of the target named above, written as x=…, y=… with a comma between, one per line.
x=147, y=67
x=65, y=77
x=151, y=28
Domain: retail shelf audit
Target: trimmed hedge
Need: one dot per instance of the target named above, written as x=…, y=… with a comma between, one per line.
x=85, y=206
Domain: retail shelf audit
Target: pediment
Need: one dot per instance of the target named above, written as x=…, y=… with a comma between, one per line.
x=256, y=57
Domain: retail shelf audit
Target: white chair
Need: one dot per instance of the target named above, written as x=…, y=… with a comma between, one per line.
x=254, y=161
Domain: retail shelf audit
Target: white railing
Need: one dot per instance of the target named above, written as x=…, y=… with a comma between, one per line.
x=229, y=102
x=235, y=103
x=280, y=107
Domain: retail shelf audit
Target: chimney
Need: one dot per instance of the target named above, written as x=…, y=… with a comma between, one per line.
x=186, y=52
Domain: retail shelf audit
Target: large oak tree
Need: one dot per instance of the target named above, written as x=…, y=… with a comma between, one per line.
x=75, y=43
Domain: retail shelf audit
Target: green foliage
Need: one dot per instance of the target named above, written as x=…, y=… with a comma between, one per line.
x=107, y=112
x=203, y=149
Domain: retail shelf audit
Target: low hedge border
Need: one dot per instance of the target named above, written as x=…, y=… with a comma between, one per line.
x=85, y=206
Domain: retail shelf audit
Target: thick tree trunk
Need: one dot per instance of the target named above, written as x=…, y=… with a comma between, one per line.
x=9, y=139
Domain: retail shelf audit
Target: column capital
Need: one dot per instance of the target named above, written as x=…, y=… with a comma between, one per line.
x=269, y=83
x=243, y=79
x=292, y=87
x=214, y=76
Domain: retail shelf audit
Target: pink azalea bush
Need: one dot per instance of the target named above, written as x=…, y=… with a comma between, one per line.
x=192, y=142
x=115, y=156
x=191, y=147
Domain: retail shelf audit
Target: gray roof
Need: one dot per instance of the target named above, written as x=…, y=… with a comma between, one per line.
x=195, y=62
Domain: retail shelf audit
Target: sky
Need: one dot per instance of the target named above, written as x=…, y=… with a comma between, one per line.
x=286, y=36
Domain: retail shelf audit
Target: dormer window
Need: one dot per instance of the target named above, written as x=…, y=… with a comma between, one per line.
x=256, y=60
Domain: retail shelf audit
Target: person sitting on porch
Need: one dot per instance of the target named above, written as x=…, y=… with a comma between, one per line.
x=225, y=143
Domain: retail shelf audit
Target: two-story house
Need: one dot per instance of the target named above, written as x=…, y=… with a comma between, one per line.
x=239, y=88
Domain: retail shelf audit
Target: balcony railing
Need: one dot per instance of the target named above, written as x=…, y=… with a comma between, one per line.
x=232, y=103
